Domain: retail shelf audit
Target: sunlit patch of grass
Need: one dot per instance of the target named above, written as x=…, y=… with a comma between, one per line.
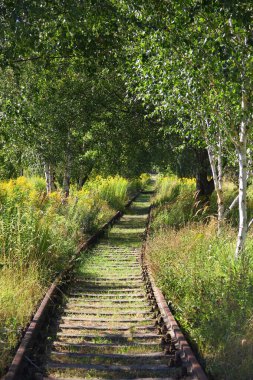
x=175, y=201
x=113, y=190
x=20, y=290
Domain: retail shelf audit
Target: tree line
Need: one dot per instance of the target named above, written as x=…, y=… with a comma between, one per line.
x=123, y=86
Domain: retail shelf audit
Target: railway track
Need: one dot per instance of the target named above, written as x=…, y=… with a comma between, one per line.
x=114, y=323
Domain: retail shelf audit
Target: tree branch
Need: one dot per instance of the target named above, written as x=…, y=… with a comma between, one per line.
x=232, y=205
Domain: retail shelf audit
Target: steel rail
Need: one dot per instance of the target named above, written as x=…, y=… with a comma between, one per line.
x=187, y=356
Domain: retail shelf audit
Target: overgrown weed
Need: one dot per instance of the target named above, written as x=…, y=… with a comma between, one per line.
x=38, y=235
x=211, y=292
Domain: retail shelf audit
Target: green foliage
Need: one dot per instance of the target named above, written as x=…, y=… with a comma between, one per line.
x=63, y=115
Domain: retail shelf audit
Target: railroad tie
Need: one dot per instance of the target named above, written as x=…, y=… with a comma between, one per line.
x=109, y=327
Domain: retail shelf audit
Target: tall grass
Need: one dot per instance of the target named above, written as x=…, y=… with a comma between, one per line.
x=211, y=293
x=176, y=203
x=20, y=290
x=113, y=190
x=38, y=235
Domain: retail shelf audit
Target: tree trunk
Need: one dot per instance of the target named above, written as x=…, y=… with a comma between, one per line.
x=82, y=181
x=66, y=183
x=50, y=178
x=242, y=197
x=235, y=201
x=204, y=187
x=47, y=176
x=242, y=158
x=218, y=181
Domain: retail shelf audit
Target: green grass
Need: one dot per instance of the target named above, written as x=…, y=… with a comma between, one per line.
x=211, y=293
x=39, y=234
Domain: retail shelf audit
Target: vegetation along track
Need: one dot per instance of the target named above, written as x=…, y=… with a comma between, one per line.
x=110, y=326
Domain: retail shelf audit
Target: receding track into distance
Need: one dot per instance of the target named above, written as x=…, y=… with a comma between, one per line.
x=113, y=322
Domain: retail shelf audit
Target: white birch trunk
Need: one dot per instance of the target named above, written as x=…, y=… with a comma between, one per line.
x=235, y=201
x=218, y=182
x=47, y=176
x=242, y=158
x=220, y=194
x=217, y=177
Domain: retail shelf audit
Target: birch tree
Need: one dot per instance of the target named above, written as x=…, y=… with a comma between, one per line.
x=185, y=53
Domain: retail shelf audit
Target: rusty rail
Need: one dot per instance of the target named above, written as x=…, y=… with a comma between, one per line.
x=167, y=321
x=37, y=320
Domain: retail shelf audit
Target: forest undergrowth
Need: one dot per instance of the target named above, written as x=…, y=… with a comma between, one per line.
x=210, y=292
x=38, y=235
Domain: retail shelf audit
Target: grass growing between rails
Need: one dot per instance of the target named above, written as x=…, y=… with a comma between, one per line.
x=38, y=235
x=211, y=293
